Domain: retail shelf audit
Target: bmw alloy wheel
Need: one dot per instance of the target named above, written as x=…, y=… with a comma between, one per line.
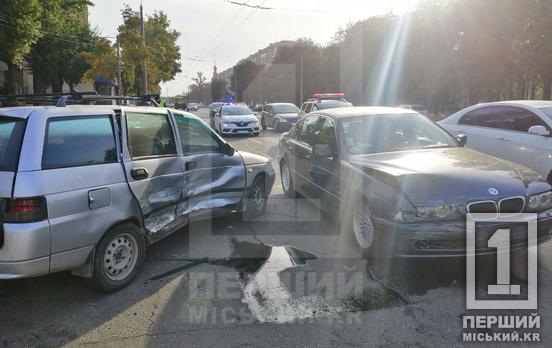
x=363, y=227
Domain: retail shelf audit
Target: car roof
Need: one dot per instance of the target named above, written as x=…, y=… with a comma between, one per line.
x=363, y=111
x=276, y=104
x=24, y=112
x=529, y=103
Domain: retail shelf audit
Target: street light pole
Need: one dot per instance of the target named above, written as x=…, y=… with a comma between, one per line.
x=119, y=78
x=301, y=77
x=145, y=69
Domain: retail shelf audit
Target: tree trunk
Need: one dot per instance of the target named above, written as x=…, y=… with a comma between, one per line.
x=547, y=87
x=14, y=79
x=57, y=86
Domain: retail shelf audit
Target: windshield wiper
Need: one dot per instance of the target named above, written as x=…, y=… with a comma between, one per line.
x=436, y=146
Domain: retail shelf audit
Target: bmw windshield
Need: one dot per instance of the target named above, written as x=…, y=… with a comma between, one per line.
x=390, y=133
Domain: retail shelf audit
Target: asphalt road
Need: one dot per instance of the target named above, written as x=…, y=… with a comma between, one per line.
x=287, y=279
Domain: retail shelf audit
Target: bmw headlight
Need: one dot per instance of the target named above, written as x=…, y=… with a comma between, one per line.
x=539, y=202
x=430, y=213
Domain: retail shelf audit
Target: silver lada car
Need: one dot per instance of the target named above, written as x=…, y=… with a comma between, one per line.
x=87, y=188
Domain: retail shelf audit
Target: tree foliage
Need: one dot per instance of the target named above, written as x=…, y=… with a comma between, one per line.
x=56, y=56
x=20, y=28
x=160, y=52
x=445, y=54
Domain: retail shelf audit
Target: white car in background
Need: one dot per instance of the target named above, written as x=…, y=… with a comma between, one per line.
x=237, y=120
x=519, y=131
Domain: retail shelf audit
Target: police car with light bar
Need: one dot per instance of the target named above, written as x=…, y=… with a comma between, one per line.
x=323, y=101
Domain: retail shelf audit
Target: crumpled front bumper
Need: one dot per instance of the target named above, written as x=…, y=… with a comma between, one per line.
x=448, y=238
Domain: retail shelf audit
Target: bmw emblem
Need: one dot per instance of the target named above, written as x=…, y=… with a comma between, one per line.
x=493, y=191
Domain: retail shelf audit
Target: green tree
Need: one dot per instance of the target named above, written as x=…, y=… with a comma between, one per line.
x=161, y=52
x=20, y=28
x=56, y=56
x=102, y=61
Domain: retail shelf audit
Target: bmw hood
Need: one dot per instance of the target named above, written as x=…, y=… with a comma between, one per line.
x=451, y=175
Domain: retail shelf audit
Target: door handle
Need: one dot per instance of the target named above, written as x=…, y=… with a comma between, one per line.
x=503, y=138
x=139, y=173
x=190, y=165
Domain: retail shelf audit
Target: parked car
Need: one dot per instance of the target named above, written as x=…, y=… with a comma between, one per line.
x=87, y=188
x=193, y=107
x=237, y=120
x=401, y=185
x=519, y=131
x=214, y=107
x=323, y=102
x=279, y=116
x=418, y=108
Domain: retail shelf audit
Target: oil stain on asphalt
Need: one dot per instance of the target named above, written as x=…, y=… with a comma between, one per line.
x=282, y=284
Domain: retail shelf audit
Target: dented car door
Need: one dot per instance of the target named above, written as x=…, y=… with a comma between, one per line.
x=153, y=168
x=212, y=179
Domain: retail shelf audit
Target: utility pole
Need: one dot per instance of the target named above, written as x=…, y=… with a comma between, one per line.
x=119, y=78
x=301, y=77
x=261, y=84
x=143, y=32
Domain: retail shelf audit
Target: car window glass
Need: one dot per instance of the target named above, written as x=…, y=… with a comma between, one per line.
x=502, y=117
x=547, y=112
x=196, y=137
x=308, y=108
x=307, y=132
x=78, y=141
x=149, y=135
x=325, y=132
x=295, y=130
x=236, y=111
x=11, y=132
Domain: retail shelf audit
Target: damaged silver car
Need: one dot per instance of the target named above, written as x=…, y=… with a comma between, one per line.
x=87, y=188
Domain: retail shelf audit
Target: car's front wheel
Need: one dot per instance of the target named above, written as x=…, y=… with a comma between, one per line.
x=257, y=198
x=363, y=229
x=287, y=180
x=118, y=258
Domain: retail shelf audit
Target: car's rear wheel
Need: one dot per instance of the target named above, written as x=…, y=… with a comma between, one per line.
x=287, y=180
x=118, y=258
x=257, y=199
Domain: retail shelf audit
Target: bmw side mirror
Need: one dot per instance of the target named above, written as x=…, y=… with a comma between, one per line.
x=462, y=139
x=323, y=151
x=228, y=149
x=539, y=130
